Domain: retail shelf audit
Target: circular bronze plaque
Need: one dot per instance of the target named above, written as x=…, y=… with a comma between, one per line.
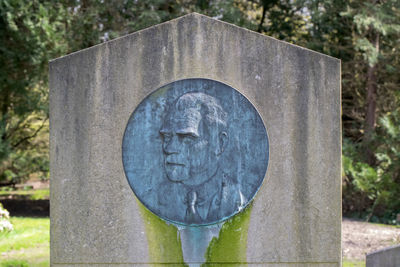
x=195, y=152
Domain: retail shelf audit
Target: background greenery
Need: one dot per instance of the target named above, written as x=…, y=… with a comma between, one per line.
x=364, y=34
x=27, y=245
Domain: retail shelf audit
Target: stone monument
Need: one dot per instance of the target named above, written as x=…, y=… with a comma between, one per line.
x=195, y=142
x=387, y=257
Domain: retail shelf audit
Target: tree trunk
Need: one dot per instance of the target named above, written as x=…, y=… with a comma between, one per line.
x=370, y=113
x=4, y=113
x=264, y=11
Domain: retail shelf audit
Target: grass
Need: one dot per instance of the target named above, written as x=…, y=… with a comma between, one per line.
x=353, y=263
x=27, y=244
x=31, y=194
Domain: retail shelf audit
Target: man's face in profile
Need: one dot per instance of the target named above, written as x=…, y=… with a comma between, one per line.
x=190, y=147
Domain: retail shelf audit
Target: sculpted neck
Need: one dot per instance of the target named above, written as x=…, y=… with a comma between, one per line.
x=207, y=188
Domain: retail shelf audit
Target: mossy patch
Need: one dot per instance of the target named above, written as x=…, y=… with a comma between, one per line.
x=231, y=245
x=163, y=240
x=165, y=245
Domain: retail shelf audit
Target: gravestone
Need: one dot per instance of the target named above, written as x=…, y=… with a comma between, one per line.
x=387, y=257
x=195, y=142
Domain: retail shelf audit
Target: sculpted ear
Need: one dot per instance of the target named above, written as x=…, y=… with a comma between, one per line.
x=223, y=142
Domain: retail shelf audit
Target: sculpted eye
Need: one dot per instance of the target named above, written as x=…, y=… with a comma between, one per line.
x=166, y=136
x=187, y=137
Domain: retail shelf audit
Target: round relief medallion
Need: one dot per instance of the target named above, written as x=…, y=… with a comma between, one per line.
x=195, y=152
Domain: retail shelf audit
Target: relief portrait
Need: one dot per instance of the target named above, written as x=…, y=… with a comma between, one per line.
x=195, y=152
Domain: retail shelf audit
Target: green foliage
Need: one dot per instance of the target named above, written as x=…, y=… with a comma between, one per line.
x=31, y=194
x=282, y=19
x=30, y=35
x=380, y=183
x=372, y=20
x=90, y=22
x=388, y=156
x=33, y=32
x=363, y=34
x=375, y=29
x=14, y=263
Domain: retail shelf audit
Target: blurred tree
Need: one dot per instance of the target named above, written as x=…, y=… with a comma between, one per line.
x=363, y=34
x=373, y=84
x=282, y=19
x=30, y=36
x=375, y=31
x=90, y=22
x=33, y=32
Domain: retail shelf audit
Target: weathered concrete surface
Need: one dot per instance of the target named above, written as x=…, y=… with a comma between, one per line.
x=294, y=220
x=387, y=257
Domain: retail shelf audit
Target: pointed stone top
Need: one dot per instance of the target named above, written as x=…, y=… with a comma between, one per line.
x=207, y=24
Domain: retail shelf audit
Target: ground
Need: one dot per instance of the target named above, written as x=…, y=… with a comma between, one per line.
x=360, y=238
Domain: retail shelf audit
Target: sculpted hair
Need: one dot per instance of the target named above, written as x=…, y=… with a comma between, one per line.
x=206, y=105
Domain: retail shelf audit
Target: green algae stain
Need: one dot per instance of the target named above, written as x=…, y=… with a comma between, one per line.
x=164, y=243
x=231, y=245
x=229, y=248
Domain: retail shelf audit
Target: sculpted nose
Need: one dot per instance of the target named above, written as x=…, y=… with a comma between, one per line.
x=172, y=146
